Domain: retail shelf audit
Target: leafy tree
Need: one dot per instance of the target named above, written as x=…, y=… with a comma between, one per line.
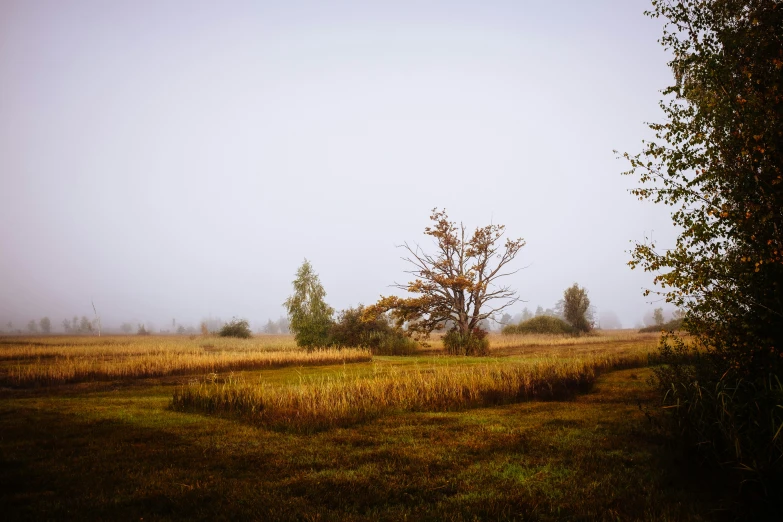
x=270, y=327
x=658, y=316
x=32, y=326
x=46, y=325
x=459, y=282
x=539, y=310
x=66, y=326
x=283, y=325
x=310, y=316
x=576, y=306
x=717, y=159
x=85, y=325
x=609, y=320
x=526, y=315
x=126, y=328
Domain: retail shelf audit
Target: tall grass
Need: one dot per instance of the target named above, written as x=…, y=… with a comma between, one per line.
x=352, y=397
x=66, y=369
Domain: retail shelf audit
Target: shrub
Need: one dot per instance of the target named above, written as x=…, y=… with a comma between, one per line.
x=377, y=334
x=542, y=324
x=670, y=326
x=236, y=328
x=474, y=343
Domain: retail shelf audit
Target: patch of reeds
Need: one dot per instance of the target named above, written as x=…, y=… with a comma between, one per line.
x=353, y=397
x=60, y=369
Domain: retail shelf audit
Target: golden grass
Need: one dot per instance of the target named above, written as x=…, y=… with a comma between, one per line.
x=48, y=361
x=352, y=396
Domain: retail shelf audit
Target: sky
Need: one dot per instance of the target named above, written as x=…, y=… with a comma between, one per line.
x=180, y=159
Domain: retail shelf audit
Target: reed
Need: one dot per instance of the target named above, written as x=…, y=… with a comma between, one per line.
x=353, y=397
x=61, y=369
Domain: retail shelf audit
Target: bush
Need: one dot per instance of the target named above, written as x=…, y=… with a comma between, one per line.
x=542, y=324
x=474, y=343
x=377, y=334
x=236, y=328
x=671, y=326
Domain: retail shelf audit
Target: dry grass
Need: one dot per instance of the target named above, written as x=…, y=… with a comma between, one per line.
x=352, y=396
x=48, y=361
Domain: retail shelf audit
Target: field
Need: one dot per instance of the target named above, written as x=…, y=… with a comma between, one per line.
x=163, y=428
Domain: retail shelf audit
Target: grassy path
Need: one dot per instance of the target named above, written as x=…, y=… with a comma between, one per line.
x=122, y=455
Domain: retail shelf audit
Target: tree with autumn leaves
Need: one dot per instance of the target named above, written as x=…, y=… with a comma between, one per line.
x=460, y=282
x=717, y=160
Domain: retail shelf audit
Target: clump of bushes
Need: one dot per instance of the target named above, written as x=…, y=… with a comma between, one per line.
x=473, y=343
x=542, y=324
x=670, y=326
x=377, y=334
x=236, y=328
x=143, y=331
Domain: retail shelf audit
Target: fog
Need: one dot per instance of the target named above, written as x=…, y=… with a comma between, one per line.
x=179, y=160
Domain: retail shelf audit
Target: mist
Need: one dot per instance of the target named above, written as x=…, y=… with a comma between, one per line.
x=178, y=161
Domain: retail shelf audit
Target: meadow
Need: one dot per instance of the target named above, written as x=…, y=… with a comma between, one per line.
x=166, y=427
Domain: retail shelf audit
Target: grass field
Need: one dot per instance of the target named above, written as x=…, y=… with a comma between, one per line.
x=117, y=447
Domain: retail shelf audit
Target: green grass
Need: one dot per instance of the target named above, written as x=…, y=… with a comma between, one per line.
x=116, y=450
x=109, y=451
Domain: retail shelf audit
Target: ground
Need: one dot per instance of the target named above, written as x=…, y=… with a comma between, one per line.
x=115, y=450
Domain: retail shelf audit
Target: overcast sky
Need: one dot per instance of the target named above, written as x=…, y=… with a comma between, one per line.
x=180, y=159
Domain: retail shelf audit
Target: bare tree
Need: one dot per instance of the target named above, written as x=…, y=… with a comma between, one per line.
x=459, y=283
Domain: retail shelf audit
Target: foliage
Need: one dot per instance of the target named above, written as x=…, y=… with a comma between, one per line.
x=658, y=316
x=457, y=284
x=576, y=305
x=718, y=161
x=236, y=328
x=310, y=316
x=540, y=324
x=142, y=330
x=377, y=333
x=668, y=326
x=474, y=343
x=46, y=325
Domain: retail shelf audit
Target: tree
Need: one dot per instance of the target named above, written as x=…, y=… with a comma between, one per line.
x=717, y=159
x=46, y=325
x=32, y=326
x=126, y=328
x=309, y=315
x=270, y=327
x=85, y=326
x=609, y=320
x=658, y=316
x=526, y=315
x=575, y=306
x=66, y=326
x=283, y=325
x=458, y=283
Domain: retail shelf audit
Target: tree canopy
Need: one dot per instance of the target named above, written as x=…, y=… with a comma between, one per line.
x=310, y=317
x=459, y=283
x=717, y=160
